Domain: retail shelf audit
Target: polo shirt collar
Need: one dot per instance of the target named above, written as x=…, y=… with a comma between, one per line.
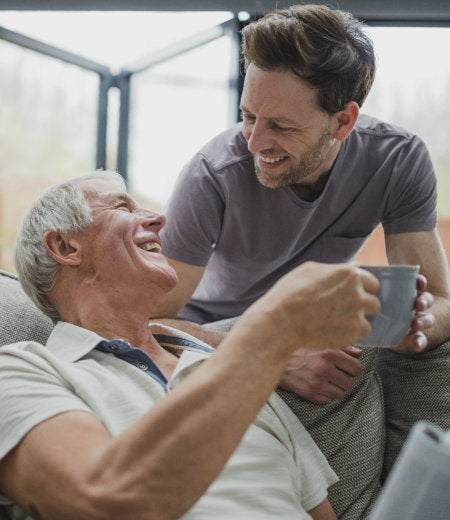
x=70, y=342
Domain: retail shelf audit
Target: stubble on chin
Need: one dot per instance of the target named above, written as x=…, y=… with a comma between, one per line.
x=281, y=179
x=294, y=173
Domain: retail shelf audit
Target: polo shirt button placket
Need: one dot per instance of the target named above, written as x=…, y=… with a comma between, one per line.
x=142, y=366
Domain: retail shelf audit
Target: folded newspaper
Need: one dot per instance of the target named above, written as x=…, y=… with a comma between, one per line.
x=418, y=487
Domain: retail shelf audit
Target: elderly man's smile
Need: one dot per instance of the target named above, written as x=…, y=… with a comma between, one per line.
x=152, y=247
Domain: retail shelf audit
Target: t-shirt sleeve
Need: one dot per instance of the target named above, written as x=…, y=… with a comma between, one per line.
x=30, y=392
x=413, y=194
x=194, y=214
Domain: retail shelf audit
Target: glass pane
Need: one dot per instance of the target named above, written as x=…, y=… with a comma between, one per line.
x=111, y=38
x=49, y=109
x=48, y=118
x=176, y=108
x=412, y=89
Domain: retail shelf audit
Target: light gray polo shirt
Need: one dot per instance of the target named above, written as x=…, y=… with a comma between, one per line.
x=276, y=472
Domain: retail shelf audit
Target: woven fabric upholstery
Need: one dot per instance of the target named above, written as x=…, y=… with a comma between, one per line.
x=20, y=319
x=415, y=388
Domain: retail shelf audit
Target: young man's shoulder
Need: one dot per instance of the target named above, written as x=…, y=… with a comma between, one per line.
x=374, y=139
x=372, y=126
x=226, y=149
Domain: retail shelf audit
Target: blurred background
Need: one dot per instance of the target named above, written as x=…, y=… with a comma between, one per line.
x=141, y=91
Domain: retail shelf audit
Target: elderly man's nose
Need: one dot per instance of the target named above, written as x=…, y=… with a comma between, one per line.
x=154, y=220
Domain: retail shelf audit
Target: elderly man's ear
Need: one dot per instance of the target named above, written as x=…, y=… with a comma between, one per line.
x=64, y=249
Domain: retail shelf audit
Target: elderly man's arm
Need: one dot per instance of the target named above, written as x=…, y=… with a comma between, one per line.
x=69, y=467
x=425, y=249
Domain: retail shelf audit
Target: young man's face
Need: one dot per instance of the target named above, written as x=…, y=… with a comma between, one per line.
x=122, y=245
x=289, y=135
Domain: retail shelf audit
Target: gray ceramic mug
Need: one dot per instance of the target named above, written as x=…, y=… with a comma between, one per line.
x=397, y=295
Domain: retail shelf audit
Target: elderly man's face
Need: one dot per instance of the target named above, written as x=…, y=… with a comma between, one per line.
x=289, y=135
x=122, y=245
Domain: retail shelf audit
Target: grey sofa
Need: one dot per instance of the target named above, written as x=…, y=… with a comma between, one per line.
x=414, y=388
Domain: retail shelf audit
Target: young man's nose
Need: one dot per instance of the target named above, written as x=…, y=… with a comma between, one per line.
x=259, y=138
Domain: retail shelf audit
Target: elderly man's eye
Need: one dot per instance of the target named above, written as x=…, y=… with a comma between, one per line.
x=123, y=206
x=248, y=118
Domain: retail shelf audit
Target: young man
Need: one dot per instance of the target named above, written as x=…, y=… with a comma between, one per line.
x=305, y=177
x=157, y=426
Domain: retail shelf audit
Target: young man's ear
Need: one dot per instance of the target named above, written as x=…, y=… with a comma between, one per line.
x=63, y=249
x=345, y=120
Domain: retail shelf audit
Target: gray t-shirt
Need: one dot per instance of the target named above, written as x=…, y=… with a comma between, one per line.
x=249, y=236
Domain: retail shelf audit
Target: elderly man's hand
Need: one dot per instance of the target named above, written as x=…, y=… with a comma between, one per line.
x=318, y=306
x=416, y=341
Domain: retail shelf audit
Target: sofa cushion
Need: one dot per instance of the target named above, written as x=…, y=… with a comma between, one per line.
x=20, y=319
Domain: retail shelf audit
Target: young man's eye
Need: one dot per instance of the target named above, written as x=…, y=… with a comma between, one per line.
x=281, y=128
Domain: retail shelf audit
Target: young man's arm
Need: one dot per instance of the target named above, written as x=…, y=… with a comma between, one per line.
x=69, y=467
x=322, y=377
x=210, y=336
x=425, y=249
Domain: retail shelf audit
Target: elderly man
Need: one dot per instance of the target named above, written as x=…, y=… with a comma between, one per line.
x=111, y=421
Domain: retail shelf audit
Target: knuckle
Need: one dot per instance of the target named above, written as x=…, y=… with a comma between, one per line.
x=319, y=371
x=340, y=393
x=350, y=384
x=327, y=356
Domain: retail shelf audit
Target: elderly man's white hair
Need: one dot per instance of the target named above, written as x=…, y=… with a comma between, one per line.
x=62, y=207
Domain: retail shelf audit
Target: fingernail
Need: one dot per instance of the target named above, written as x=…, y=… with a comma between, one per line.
x=421, y=343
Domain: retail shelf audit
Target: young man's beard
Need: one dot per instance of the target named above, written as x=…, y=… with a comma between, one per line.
x=308, y=164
